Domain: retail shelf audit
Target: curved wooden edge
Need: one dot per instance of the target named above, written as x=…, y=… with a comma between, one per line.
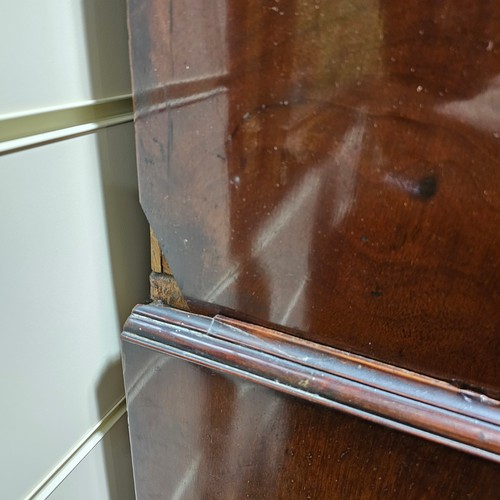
x=375, y=391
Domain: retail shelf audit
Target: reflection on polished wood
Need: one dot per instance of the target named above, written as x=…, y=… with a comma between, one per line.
x=322, y=178
x=220, y=412
x=330, y=168
x=375, y=391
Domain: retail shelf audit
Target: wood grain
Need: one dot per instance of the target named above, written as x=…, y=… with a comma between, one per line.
x=156, y=255
x=164, y=289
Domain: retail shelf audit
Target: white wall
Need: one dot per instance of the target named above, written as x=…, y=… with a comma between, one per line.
x=74, y=249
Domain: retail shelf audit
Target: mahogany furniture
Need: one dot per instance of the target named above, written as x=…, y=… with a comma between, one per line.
x=321, y=178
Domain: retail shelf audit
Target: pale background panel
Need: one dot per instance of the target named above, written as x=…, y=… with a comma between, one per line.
x=59, y=52
x=74, y=262
x=74, y=250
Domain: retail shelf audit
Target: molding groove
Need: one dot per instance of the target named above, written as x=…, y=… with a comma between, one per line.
x=375, y=391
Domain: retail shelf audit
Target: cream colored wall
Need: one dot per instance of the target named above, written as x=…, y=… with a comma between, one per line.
x=74, y=249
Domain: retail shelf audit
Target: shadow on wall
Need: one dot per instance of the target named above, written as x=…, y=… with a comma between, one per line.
x=127, y=228
x=128, y=232
x=115, y=445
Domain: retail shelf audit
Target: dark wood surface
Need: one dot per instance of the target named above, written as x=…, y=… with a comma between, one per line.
x=330, y=168
x=204, y=426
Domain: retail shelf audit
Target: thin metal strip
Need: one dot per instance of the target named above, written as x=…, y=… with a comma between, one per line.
x=81, y=449
x=23, y=131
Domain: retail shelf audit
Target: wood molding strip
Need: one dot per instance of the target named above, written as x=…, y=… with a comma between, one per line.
x=375, y=391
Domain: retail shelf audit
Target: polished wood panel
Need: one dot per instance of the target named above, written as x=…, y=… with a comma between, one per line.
x=218, y=432
x=330, y=168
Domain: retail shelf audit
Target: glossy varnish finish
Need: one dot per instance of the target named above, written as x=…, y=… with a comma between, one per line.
x=330, y=167
x=377, y=392
x=210, y=433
